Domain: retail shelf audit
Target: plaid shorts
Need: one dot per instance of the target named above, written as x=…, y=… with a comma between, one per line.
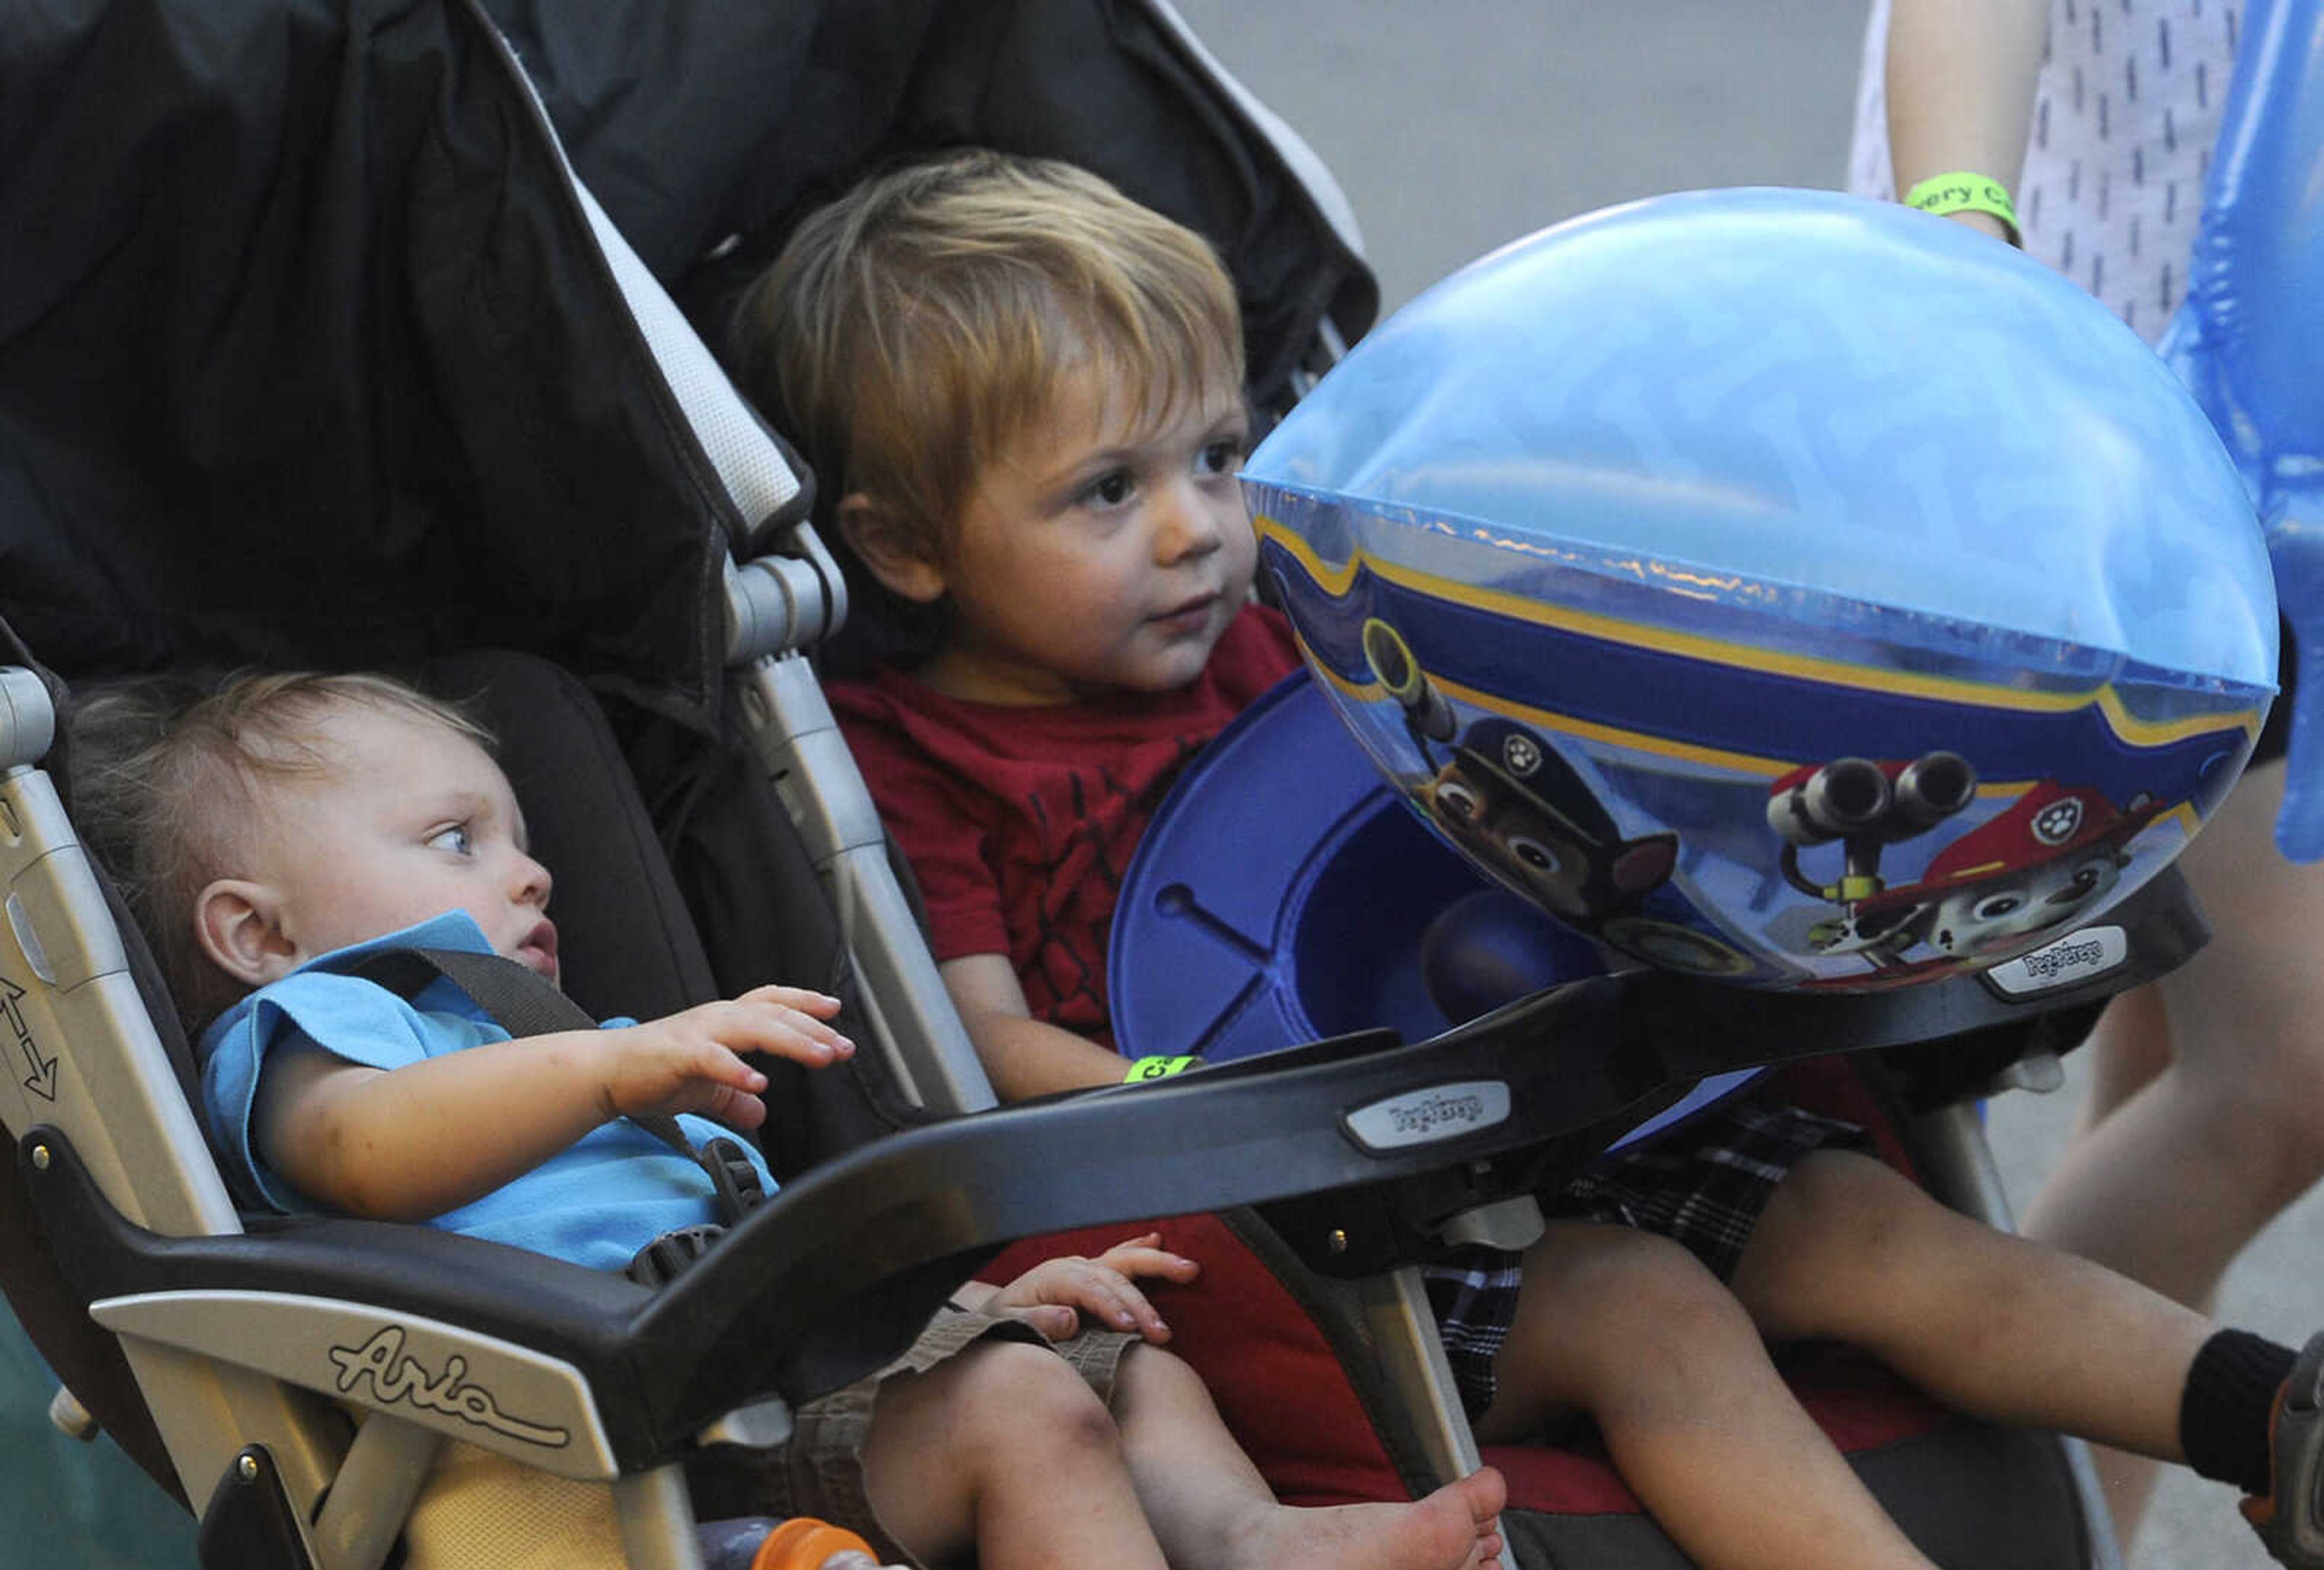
x=819, y=1472
x=1704, y=1189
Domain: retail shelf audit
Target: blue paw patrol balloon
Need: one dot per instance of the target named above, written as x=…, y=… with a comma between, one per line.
x=1778, y=586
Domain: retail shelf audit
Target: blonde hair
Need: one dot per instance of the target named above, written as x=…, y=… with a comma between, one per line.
x=914, y=329
x=164, y=776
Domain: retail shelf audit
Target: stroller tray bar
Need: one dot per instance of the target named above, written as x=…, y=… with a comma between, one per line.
x=832, y=1275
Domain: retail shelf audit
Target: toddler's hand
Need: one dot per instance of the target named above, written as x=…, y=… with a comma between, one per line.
x=1053, y=1294
x=691, y=1062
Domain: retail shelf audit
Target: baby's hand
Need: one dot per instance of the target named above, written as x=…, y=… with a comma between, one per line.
x=1048, y=1295
x=691, y=1062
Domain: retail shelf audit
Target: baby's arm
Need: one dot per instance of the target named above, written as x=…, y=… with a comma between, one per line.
x=1022, y=1056
x=412, y=1143
x=1054, y=1295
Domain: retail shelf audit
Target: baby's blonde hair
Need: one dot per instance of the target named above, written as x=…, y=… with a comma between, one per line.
x=163, y=776
x=915, y=329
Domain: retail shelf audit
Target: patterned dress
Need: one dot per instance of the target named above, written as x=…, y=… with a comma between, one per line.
x=2125, y=116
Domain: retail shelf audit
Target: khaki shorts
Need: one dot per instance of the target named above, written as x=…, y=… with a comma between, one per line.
x=819, y=1471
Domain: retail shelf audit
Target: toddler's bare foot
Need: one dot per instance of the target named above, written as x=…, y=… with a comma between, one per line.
x=1454, y=1529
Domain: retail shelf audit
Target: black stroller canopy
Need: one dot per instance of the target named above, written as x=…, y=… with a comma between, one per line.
x=295, y=293
x=693, y=124
x=293, y=302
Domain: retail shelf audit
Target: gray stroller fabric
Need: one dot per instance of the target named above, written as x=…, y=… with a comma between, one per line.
x=703, y=128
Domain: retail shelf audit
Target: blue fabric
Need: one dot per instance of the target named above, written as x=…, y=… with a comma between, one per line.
x=2248, y=335
x=595, y=1202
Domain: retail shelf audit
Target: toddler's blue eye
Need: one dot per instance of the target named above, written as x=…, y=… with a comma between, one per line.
x=1112, y=490
x=453, y=839
x=1222, y=458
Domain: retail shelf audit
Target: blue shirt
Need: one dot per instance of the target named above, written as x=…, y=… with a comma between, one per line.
x=595, y=1203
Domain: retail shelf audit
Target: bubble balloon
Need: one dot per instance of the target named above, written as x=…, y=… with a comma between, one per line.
x=1779, y=585
x=2250, y=336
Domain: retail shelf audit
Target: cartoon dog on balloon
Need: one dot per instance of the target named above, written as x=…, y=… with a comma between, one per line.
x=1504, y=794
x=2052, y=854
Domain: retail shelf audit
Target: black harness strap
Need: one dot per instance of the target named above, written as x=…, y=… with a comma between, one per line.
x=525, y=1003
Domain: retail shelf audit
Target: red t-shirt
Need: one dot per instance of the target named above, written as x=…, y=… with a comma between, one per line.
x=1019, y=823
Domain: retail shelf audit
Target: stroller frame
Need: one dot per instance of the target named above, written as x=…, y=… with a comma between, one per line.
x=117, y=1169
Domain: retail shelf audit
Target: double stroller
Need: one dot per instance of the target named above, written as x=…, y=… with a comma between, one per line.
x=316, y=348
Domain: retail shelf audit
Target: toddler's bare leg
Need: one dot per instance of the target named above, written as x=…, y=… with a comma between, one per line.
x=1634, y=1330
x=1999, y=1326
x=1004, y=1450
x=1212, y=1511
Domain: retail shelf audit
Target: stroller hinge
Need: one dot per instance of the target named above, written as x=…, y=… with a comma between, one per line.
x=779, y=603
x=28, y=719
x=1513, y=1224
x=249, y=1523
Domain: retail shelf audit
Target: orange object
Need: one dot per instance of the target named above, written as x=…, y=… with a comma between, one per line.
x=804, y=1543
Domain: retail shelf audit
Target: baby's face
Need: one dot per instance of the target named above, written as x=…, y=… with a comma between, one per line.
x=1101, y=552
x=411, y=820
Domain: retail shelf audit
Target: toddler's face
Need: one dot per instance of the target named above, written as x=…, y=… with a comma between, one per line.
x=1100, y=553
x=411, y=820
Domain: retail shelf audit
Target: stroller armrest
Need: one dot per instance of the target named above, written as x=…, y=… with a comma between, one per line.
x=453, y=1328
x=835, y=1274
x=800, y=1298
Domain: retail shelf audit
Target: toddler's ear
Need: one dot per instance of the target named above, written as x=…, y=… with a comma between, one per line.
x=892, y=552
x=238, y=924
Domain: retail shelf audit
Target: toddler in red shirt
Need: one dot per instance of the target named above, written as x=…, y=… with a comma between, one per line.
x=1034, y=440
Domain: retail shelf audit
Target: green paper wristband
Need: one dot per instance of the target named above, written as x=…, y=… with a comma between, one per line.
x=1965, y=190
x=1146, y=1069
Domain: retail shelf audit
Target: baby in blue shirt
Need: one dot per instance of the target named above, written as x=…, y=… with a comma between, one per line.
x=596, y=1200
x=274, y=834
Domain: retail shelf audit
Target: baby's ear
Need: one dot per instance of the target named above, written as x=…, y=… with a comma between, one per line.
x=893, y=552
x=239, y=926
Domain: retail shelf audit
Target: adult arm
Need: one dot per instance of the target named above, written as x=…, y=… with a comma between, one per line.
x=1959, y=86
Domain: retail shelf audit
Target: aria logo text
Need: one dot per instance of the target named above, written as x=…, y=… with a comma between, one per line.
x=395, y=1377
